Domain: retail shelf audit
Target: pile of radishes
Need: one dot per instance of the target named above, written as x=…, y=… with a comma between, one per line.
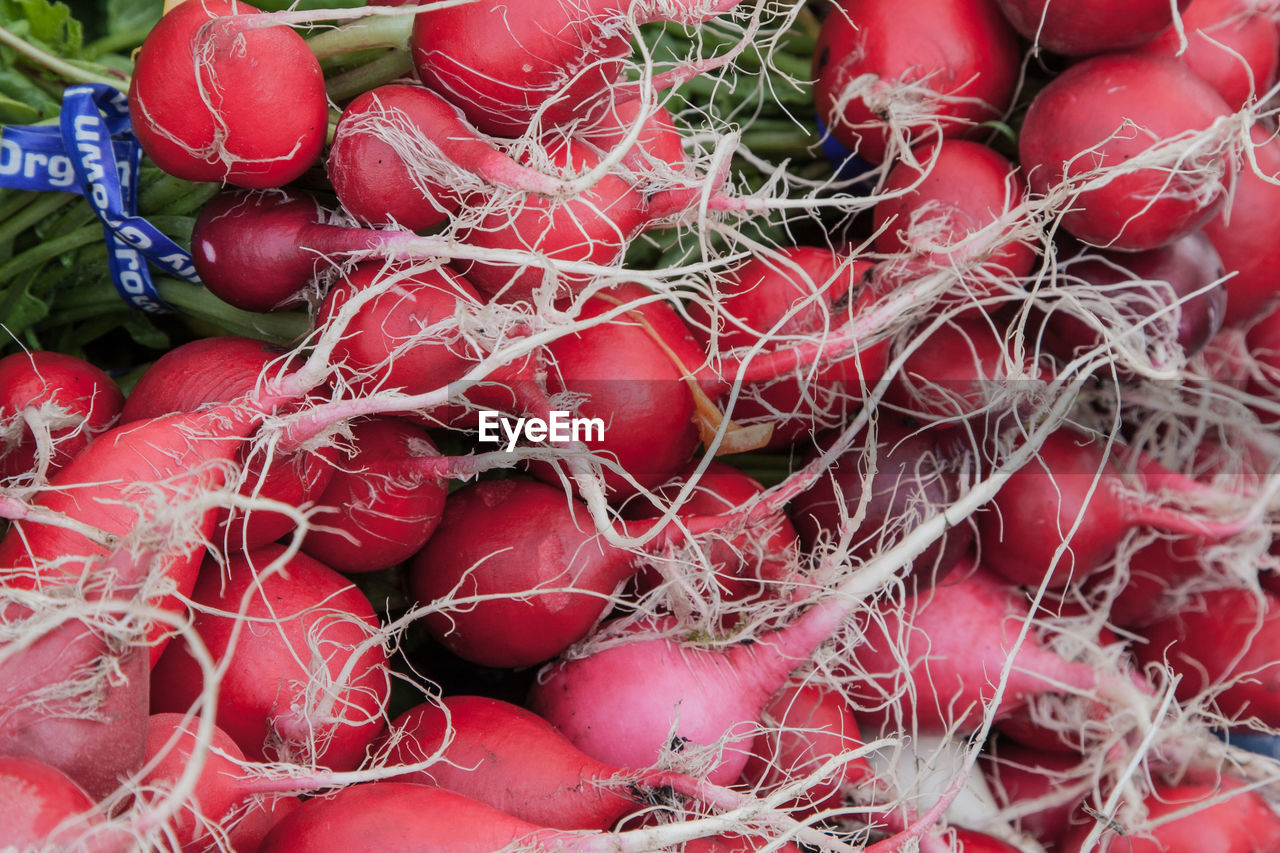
x=480, y=564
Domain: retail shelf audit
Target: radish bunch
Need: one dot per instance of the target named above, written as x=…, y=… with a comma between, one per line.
x=634, y=488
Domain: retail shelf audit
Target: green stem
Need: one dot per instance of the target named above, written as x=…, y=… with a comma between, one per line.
x=365, y=33
x=34, y=213
x=281, y=327
x=59, y=66
x=116, y=42
x=49, y=250
x=13, y=201
x=384, y=69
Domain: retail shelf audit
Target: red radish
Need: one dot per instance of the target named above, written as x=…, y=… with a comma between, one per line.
x=1073, y=481
x=51, y=406
x=801, y=291
x=933, y=661
x=1241, y=822
x=1242, y=235
x=199, y=106
x=1263, y=343
x=538, y=544
x=806, y=726
x=216, y=370
x=1226, y=641
x=1187, y=266
x=1084, y=27
x=1156, y=570
x=551, y=64
x=43, y=808
x=593, y=227
x=628, y=703
x=912, y=476
x=402, y=154
x=658, y=145
x=744, y=565
x=960, y=189
x=509, y=758
x=1106, y=111
x=383, y=506
x=304, y=682
x=259, y=252
x=1017, y=776
x=978, y=842
x=963, y=370
x=219, y=791
x=1232, y=44
x=884, y=80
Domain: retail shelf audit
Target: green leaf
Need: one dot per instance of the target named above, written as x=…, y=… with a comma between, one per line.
x=16, y=112
x=20, y=90
x=48, y=25
x=125, y=15
x=144, y=332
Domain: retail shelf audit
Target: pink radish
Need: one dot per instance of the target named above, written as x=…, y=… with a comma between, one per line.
x=1241, y=233
x=1105, y=111
x=884, y=80
x=199, y=106
x=304, y=682
x=552, y=64
x=912, y=474
x=1232, y=44
x=43, y=807
x=1225, y=640
x=1084, y=27
x=216, y=370
x=959, y=189
x=51, y=406
x=1019, y=775
x=1073, y=481
x=806, y=726
x=803, y=291
x=396, y=153
x=383, y=503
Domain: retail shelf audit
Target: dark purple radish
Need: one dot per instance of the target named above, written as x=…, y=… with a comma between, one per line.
x=221, y=370
x=746, y=566
x=553, y=63
x=218, y=94
x=547, y=574
x=914, y=479
x=1072, y=480
x=805, y=291
x=1226, y=641
x=963, y=370
x=630, y=702
x=402, y=154
x=593, y=228
x=1084, y=27
x=260, y=251
x=1132, y=282
x=806, y=726
x=512, y=759
x=964, y=187
x=384, y=501
x=933, y=661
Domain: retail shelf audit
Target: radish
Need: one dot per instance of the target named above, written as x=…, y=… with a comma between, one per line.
x=913, y=479
x=885, y=81
x=304, y=680
x=1073, y=482
x=952, y=202
x=1190, y=271
x=1222, y=642
x=51, y=406
x=1231, y=44
x=1084, y=27
x=199, y=106
x=549, y=64
x=1105, y=112
x=801, y=291
x=806, y=726
x=383, y=503
x=44, y=809
x=403, y=155
x=1241, y=234
x=1020, y=778
x=208, y=371
x=1189, y=818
